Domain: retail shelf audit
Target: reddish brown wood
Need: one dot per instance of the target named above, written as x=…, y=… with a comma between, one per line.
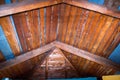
x=93, y=7
x=25, y=6
x=1, y=57
x=26, y=56
x=87, y=55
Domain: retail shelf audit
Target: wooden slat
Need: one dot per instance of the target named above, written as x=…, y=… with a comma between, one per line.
x=65, y=22
x=102, y=34
x=48, y=23
x=1, y=57
x=75, y=25
x=25, y=6
x=42, y=26
x=19, y=29
x=70, y=23
x=26, y=56
x=54, y=22
x=94, y=7
x=109, y=33
x=7, y=26
x=87, y=55
x=61, y=18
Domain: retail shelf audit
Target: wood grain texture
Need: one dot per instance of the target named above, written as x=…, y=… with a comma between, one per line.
x=94, y=7
x=26, y=56
x=25, y=6
x=87, y=55
x=1, y=57
x=10, y=34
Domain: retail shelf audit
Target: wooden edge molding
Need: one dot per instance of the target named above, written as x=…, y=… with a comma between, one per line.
x=27, y=5
x=63, y=46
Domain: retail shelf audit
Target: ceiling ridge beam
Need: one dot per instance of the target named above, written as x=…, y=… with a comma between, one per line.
x=27, y=5
x=87, y=55
x=26, y=56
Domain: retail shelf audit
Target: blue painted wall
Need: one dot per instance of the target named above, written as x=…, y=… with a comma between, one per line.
x=115, y=56
x=4, y=46
x=100, y=2
x=119, y=8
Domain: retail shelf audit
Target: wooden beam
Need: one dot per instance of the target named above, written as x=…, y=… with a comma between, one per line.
x=26, y=5
x=87, y=55
x=90, y=6
x=26, y=56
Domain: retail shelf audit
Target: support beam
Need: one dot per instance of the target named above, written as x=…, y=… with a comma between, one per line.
x=26, y=56
x=93, y=7
x=25, y=5
x=87, y=55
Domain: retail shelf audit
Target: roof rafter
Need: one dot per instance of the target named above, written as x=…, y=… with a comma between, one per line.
x=27, y=5
x=87, y=55
x=65, y=47
x=26, y=56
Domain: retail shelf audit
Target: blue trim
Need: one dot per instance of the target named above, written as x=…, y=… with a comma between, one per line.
x=7, y=1
x=115, y=56
x=119, y=8
x=100, y=2
x=4, y=46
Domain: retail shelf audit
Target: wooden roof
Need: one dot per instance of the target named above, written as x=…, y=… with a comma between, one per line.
x=85, y=33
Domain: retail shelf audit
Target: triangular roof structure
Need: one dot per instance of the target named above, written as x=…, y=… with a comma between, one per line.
x=83, y=34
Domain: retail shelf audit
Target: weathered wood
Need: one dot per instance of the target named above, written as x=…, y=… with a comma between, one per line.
x=1, y=57
x=87, y=55
x=94, y=7
x=25, y=6
x=42, y=26
x=26, y=56
x=8, y=29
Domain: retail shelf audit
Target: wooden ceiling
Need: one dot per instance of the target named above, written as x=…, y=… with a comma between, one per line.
x=93, y=29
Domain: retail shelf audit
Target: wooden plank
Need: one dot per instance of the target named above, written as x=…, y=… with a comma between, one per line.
x=42, y=26
x=61, y=18
x=80, y=28
x=10, y=34
x=94, y=7
x=70, y=23
x=32, y=24
x=109, y=33
x=18, y=25
x=54, y=22
x=65, y=22
x=87, y=55
x=48, y=23
x=102, y=34
x=36, y=28
x=25, y=5
x=85, y=29
x=1, y=57
x=26, y=56
x=75, y=25
x=96, y=32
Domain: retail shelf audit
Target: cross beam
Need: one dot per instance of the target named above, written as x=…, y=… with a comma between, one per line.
x=65, y=47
